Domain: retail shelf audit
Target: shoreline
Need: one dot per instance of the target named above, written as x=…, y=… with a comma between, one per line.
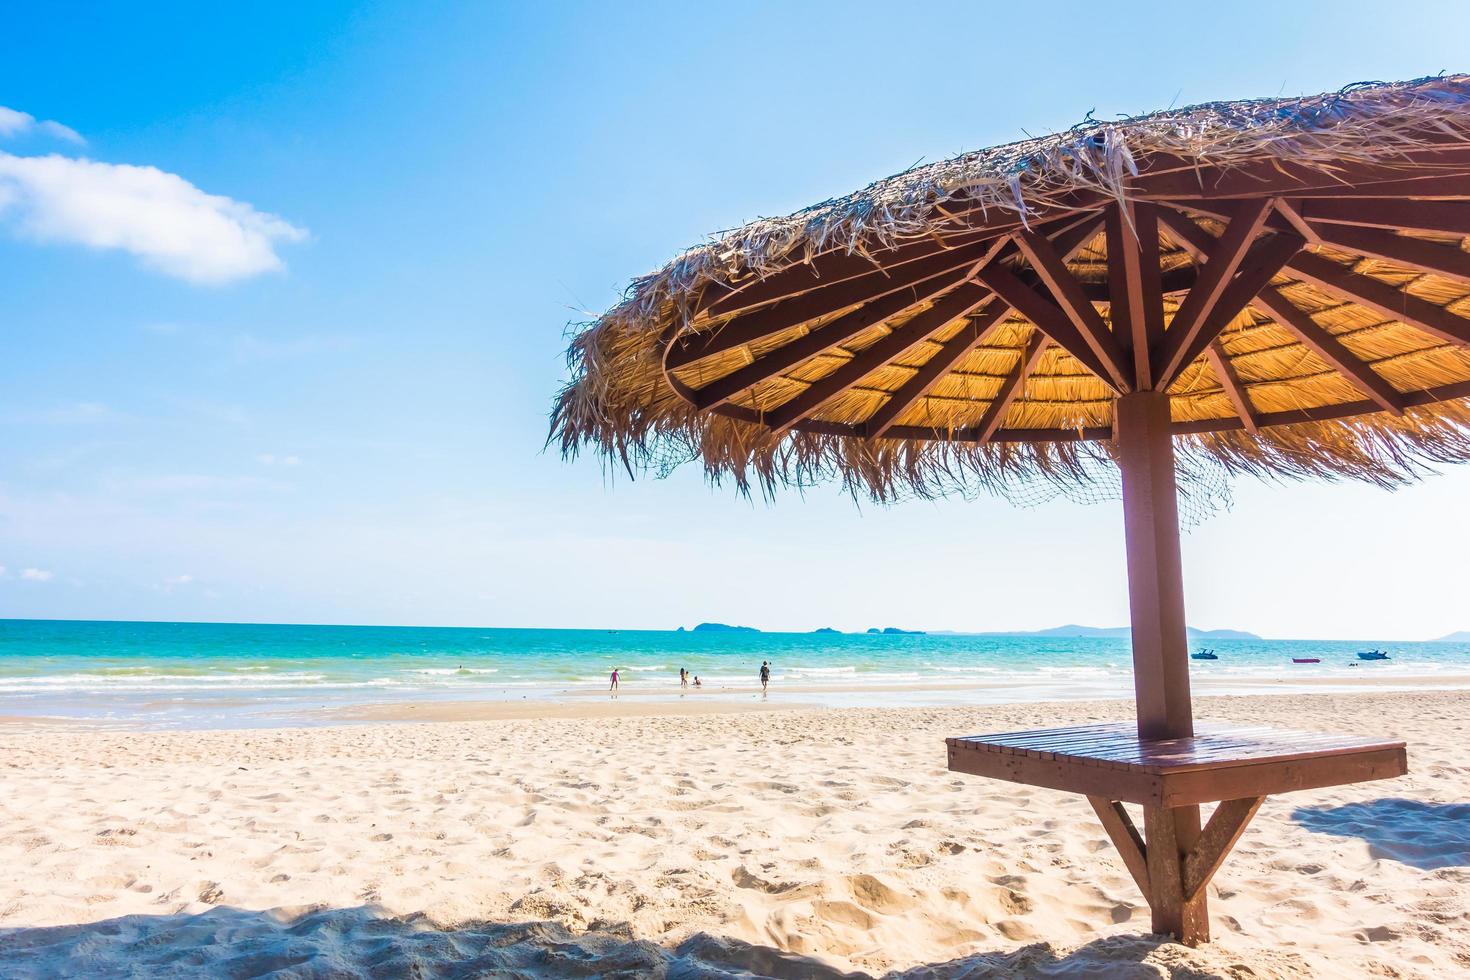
x=636, y=700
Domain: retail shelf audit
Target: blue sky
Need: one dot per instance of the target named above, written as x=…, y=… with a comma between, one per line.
x=308, y=380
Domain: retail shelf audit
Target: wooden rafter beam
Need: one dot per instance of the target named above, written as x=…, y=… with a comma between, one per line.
x=875, y=266
x=1331, y=350
x=1226, y=825
x=1290, y=213
x=961, y=302
x=1069, y=295
x=1394, y=214
x=973, y=334
x=825, y=337
x=1388, y=301
x=829, y=269
x=1069, y=240
x=1220, y=265
x=1234, y=387
x=1265, y=260
x=1012, y=386
x=1414, y=254
x=1046, y=315
x=1135, y=285
x=918, y=280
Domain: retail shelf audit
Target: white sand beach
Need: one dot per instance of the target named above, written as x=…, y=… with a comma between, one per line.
x=782, y=843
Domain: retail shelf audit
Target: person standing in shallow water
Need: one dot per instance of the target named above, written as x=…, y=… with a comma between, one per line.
x=765, y=675
x=614, y=685
x=683, y=677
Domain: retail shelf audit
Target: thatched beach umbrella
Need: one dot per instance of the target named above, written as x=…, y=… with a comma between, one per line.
x=1277, y=287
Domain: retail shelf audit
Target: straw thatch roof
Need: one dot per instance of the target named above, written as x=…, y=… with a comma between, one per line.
x=968, y=322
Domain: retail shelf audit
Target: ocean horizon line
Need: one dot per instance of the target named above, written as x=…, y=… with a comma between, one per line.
x=1085, y=632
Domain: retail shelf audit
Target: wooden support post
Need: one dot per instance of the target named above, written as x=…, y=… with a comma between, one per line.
x=1160, y=645
x=1171, y=834
x=1155, y=569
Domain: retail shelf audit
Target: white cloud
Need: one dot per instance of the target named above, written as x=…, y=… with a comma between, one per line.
x=13, y=122
x=160, y=217
x=178, y=580
x=36, y=575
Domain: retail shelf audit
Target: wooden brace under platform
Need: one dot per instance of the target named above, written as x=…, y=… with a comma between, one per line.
x=1174, y=858
x=1172, y=877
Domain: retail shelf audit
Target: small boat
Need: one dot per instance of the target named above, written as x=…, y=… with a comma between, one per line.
x=1306, y=660
x=1205, y=655
x=1372, y=655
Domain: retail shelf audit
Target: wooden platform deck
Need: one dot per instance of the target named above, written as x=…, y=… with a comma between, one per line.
x=1175, y=857
x=1221, y=762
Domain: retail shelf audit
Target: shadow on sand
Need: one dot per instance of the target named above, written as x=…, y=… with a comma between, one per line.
x=366, y=941
x=1429, y=836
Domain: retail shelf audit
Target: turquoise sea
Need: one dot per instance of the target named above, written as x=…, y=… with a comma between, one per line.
x=218, y=674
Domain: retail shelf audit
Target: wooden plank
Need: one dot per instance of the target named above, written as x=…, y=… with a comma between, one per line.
x=1046, y=316
x=917, y=280
x=1069, y=295
x=1265, y=260
x=1392, y=213
x=1413, y=254
x=1135, y=287
x=1234, y=388
x=1300, y=324
x=904, y=338
x=1224, y=828
x=1225, y=257
x=1012, y=385
x=1135, y=787
x=1125, y=837
x=1270, y=778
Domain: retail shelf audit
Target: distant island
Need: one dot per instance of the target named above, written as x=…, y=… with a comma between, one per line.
x=723, y=628
x=1072, y=631
x=1459, y=636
